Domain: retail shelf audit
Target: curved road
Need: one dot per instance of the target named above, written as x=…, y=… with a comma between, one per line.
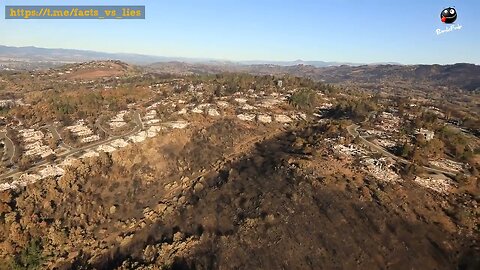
x=9, y=145
x=352, y=130
x=57, y=136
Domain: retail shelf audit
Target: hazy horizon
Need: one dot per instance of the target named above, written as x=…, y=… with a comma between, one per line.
x=174, y=58
x=330, y=31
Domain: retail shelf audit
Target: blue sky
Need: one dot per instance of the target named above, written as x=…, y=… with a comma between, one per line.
x=362, y=31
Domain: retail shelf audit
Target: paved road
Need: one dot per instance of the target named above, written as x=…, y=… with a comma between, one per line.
x=57, y=136
x=138, y=120
x=9, y=146
x=352, y=130
x=99, y=125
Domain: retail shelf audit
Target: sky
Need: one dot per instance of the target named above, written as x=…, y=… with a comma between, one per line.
x=357, y=31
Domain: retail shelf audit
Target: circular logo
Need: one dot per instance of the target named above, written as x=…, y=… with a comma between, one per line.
x=448, y=15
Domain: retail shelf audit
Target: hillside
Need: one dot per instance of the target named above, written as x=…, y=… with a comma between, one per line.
x=462, y=76
x=106, y=165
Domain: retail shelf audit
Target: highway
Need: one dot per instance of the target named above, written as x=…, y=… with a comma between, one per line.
x=353, y=130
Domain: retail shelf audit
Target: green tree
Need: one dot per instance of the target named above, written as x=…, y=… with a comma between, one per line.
x=30, y=258
x=305, y=99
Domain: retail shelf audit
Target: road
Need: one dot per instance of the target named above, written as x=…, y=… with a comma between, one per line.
x=138, y=128
x=353, y=130
x=9, y=146
x=138, y=120
x=99, y=125
x=56, y=136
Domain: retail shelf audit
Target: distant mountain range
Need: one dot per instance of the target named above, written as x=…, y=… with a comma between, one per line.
x=35, y=54
x=463, y=76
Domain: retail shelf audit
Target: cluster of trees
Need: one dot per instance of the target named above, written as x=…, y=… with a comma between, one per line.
x=305, y=99
x=456, y=144
x=30, y=258
x=448, y=141
x=357, y=109
x=422, y=151
x=229, y=83
x=90, y=104
x=80, y=105
x=33, y=220
x=427, y=120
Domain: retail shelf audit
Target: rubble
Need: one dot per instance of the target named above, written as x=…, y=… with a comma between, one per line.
x=152, y=122
x=177, y=124
x=269, y=102
x=438, y=183
x=118, y=120
x=38, y=149
x=389, y=122
x=51, y=171
x=325, y=106
x=89, y=154
x=374, y=132
x=299, y=116
x=380, y=169
x=248, y=107
x=448, y=165
x=140, y=137
x=31, y=135
x=182, y=111
x=150, y=118
x=283, y=119
x=350, y=150
x=69, y=161
x=204, y=106
x=79, y=129
x=155, y=129
x=154, y=105
x=22, y=181
x=7, y=103
x=106, y=148
x=213, y=112
x=223, y=104
x=262, y=118
x=197, y=110
x=152, y=114
x=152, y=132
x=385, y=143
x=241, y=100
x=246, y=117
x=119, y=143
x=426, y=134
x=90, y=139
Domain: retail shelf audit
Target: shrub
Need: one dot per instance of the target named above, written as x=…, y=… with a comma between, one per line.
x=30, y=258
x=304, y=99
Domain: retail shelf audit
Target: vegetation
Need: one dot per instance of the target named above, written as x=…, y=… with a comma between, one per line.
x=357, y=109
x=305, y=99
x=30, y=258
x=456, y=143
